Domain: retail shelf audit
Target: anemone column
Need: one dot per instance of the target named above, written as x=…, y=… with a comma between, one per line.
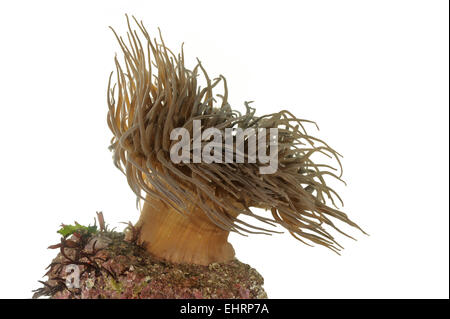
x=182, y=238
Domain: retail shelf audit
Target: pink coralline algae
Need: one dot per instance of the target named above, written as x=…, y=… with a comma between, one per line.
x=108, y=266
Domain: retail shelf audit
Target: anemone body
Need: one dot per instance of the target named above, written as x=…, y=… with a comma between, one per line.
x=190, y=208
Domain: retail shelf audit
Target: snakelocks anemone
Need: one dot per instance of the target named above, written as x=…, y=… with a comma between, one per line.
x=189, y=207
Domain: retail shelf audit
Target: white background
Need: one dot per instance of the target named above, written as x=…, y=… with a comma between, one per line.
x=373, y=74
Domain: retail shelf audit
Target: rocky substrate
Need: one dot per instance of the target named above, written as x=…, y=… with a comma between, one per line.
x=109, y=266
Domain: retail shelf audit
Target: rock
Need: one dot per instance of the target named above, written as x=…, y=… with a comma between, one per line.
x=115, y=268
x=97, y=242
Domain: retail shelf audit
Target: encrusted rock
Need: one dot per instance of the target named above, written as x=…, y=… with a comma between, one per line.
x=115, y=268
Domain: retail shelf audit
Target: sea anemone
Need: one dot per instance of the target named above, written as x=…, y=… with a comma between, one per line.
x=190, y=208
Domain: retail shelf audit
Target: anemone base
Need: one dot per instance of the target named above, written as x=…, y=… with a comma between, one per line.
x=111, y=267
